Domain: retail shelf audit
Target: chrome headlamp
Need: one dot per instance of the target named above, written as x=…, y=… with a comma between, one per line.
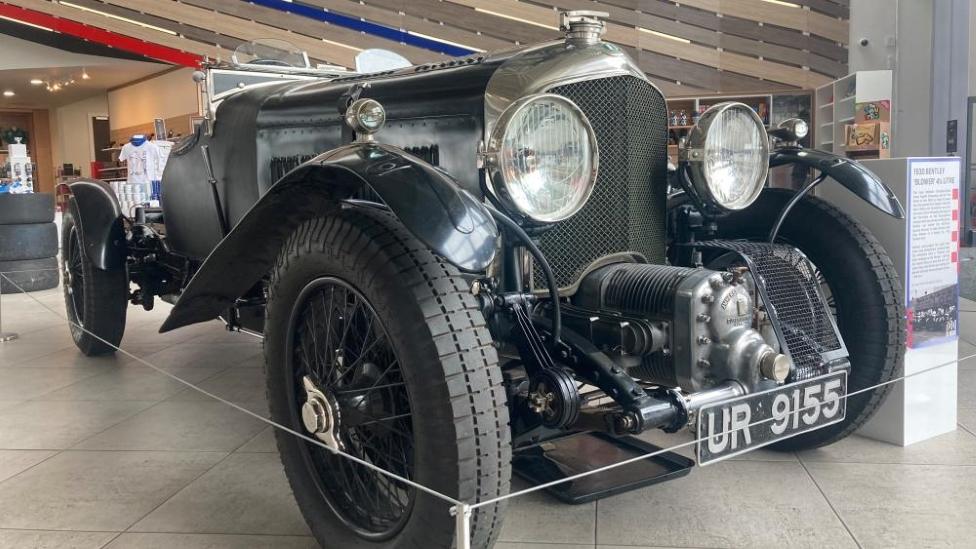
x=365, y=117
x=542, y=158
x=727, y=156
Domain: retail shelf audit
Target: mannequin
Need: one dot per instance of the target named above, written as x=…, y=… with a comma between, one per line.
x=142, y=158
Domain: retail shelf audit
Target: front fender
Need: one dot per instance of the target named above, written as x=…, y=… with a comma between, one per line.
x=100, y=220
x=845, y=171
x=427, y=201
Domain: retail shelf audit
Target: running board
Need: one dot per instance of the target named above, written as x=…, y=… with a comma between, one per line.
x=568, y=456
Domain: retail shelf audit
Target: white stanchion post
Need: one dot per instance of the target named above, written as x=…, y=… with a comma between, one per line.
x=4, y=336
x=462, y=516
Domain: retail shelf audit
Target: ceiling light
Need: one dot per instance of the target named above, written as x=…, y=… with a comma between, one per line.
x=781, y=3
x=505, y=16
x=36, y=82
x=84, y=75
x=11, y=19
x=117, y=18
x=9, y=93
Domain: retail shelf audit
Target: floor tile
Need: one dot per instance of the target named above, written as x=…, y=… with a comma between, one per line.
x=210, y=541
x=954, y=448
x=966, y=350
x=141, y=329
x=29, y=318
x=967, y=388
x=245, y=494
x=198, y=426
x=728, y=504
x=218, y=333
x=52, y=539
x=203, y=355
x=56, y=425
x=518, y=545
x=103, y=491
x=888, y=506
x=236, y=385
x=538, y=518
x=4, y=404
x=967, y=418
x=27, y=383
x=133, y=382
x=71, y=357
x=640, y=547
x=263, y=442
x=13, y=462
x=35, y=344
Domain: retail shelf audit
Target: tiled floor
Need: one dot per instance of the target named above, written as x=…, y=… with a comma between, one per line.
x=108, y=453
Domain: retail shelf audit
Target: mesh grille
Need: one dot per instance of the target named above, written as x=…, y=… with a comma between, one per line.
x=792, y=293
x=626, y=211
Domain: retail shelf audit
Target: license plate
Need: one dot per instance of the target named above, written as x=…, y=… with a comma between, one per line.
x=742, y=424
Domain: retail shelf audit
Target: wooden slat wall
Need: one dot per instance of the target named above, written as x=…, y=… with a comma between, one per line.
x=687, y=47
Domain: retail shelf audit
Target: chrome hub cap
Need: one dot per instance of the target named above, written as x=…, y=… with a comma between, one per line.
x=320, y=416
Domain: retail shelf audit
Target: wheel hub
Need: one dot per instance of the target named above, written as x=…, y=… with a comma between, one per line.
x=320, y=415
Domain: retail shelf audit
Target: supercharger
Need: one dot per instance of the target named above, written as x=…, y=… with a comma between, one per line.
x=685, y=327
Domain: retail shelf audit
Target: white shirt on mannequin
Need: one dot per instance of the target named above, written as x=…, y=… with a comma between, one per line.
x=143, y=161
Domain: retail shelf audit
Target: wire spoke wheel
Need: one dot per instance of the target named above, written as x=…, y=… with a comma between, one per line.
x=75, y=276
x=340, y=346
x=95, y=297
x=375, y=347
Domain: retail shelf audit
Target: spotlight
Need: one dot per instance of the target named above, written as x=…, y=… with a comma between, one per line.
x=84, y=75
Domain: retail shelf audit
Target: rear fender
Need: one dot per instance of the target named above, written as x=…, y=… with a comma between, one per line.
x=100, y=221
x=427, y=201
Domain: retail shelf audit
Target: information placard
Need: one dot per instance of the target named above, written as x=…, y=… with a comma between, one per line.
x=932, y=281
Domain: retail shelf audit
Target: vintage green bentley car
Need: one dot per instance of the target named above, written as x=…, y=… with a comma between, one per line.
x=486, y=264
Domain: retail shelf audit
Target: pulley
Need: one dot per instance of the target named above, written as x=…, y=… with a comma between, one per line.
x=554, y=396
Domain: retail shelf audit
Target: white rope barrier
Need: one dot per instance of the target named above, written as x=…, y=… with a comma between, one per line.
x=461, y=511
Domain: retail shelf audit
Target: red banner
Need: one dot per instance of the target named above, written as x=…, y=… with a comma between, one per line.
x=101, y=36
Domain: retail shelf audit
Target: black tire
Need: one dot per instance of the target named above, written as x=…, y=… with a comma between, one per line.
x=26, y=208
x=866, y=289
x=28, y=241
x=461, y=442
x=29, y=275
x=95, y=299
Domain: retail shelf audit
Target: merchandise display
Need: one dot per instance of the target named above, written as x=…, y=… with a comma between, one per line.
x=144, y=161
x=18, y=176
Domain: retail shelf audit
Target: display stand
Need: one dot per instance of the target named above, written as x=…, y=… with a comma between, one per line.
x=924, y=248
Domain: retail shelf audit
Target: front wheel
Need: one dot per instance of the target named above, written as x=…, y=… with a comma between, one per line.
x=374, y=346
x=95, y=299
x=861, y=286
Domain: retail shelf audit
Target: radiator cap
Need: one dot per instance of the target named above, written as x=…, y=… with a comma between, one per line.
x=583, y=26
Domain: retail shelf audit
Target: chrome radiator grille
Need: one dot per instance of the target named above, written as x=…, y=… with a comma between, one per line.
x=627, y=209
